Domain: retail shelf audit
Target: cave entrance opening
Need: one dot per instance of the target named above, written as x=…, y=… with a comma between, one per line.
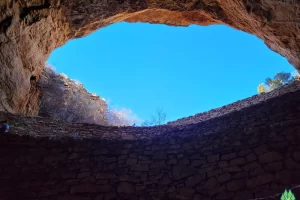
x=138, y=67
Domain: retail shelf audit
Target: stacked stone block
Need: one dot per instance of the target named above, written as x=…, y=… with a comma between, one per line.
x=253, y=153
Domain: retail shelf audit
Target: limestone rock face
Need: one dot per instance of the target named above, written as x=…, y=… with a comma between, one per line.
x=66, y=100
x=31, y=29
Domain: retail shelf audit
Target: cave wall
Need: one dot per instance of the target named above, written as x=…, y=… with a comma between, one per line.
x=30, y=30
x=249, y=154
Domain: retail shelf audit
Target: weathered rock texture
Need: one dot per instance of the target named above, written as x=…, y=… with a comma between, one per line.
x=30, y=30
x=236, y=106
x=248, y=154
x=67, y=100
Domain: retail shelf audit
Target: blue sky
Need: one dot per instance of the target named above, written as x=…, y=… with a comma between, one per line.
x=184, y=70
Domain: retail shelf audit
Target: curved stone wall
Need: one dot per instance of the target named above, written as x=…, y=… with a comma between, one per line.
x=30, y=30
x=253, y=153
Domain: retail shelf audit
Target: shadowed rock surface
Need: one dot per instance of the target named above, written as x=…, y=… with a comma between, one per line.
x=64, y=99
x=67, y=100
x=30, y=30
x=249, y=154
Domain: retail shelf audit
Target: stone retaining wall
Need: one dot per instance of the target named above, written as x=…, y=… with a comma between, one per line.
x=250, y=154
x=236, y=106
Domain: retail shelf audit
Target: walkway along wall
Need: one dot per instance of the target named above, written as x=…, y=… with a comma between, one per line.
x=249, y=154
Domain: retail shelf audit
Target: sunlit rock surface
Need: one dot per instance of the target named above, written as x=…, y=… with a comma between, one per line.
x=30, y=30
